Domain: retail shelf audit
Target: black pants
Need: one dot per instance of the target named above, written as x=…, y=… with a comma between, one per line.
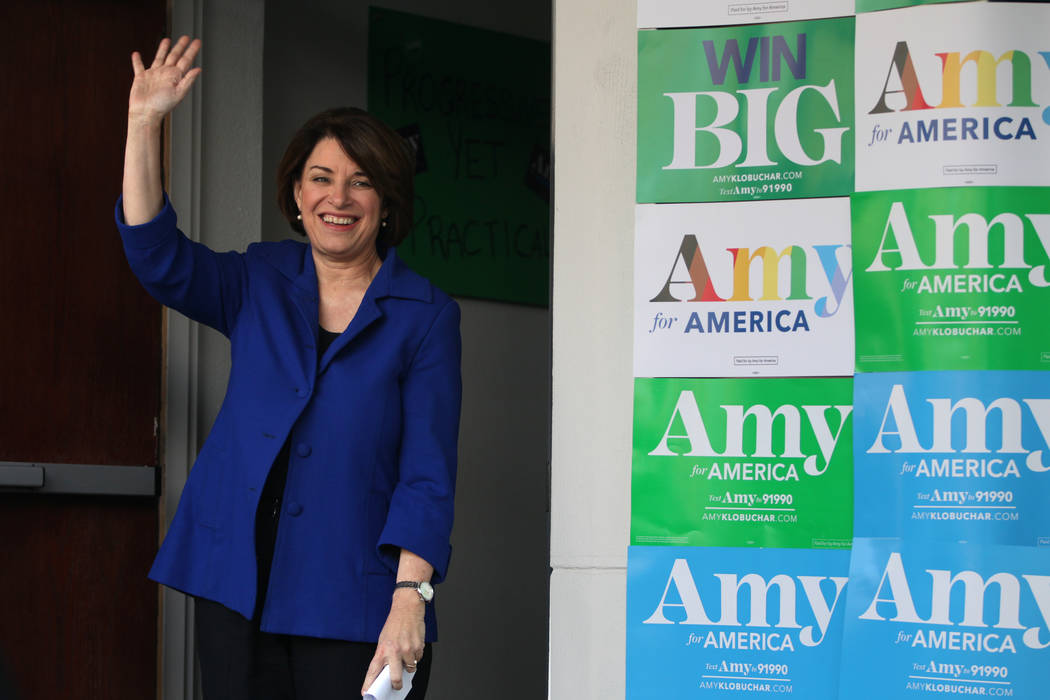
x=238, y=661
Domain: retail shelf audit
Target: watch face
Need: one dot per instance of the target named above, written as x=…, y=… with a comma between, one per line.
x=426, y=590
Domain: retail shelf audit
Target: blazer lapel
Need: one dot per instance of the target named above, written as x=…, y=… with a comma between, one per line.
x=304, y=296
x=367, y=313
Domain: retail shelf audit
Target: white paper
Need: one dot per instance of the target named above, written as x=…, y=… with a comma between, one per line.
x=801, y=326
x=957, y=135
x=381, y=689
x=653, y=14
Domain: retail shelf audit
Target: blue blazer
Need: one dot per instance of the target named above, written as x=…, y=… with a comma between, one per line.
x=373, y=428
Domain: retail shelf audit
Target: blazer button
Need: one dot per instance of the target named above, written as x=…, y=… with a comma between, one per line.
x=294, y=509
x=302, y=449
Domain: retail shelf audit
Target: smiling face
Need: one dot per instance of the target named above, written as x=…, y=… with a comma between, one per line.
x=341, y=210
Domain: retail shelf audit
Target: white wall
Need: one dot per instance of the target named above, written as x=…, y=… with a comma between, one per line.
x=492, y=609
x=594, y=160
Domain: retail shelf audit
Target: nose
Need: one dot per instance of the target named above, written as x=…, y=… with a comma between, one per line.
x=339, y=196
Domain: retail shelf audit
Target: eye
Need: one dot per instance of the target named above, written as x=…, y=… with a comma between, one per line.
x=320, y=178
x=361, y=183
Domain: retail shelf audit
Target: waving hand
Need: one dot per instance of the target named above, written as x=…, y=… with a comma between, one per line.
x=160, y=87
x=155, y=92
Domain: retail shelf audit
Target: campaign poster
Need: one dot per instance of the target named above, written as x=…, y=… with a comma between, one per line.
x=747, y=623
x=953, y=456
x=654, y=14
x=742, y=462
x=875, y=5
x=952, y=278
x=760, y=111
x=743, y=289
x=953, y=95
x=939, y=620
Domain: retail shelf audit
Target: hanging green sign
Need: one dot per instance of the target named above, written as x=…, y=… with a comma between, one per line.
x=952, y=279
x=743, y=462
x=480, y=130
x=746, y=112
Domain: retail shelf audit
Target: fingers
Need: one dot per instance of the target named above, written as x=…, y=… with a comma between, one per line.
x=395, y=674
x=186, y=60
x=399, y=663
x=180, y=55
x=374, y=669
x=136, y=63
x=162, y=51
x=405, y=662
x=176, y=51
x=186, y=83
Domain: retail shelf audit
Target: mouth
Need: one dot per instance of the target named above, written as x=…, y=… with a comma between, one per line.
x=338, y=220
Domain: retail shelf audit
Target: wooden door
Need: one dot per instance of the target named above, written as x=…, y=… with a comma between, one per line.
x=80, y=361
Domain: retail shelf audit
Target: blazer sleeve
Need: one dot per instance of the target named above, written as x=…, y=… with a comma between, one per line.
x=420, y=514
x=187, y=276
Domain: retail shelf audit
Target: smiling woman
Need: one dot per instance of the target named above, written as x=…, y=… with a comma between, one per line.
x=320, y=507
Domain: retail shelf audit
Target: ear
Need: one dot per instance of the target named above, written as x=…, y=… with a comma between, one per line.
x=297, y=194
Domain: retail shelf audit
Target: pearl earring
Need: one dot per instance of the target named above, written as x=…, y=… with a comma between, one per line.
x=299, y=216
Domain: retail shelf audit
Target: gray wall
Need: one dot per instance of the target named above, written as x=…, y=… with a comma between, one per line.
x=493, y=607
x=215, y=183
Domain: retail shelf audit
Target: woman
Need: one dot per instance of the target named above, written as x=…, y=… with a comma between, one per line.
x=319, y=509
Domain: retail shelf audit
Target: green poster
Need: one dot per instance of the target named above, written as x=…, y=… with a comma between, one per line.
x=475, y=105
x=873, y=5
x=743, y=462
x=952, y=279
x=746, y=112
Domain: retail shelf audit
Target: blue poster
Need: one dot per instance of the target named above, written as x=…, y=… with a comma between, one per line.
x=952, y=456
x=734, y=622
x=946, y=619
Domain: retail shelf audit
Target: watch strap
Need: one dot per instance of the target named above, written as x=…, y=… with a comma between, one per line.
x=418, y=586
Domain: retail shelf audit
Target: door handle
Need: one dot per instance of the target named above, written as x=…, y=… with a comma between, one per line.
x=26, y=476
x=87, y=479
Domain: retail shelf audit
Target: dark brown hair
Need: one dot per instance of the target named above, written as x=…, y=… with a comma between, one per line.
x=378, y=149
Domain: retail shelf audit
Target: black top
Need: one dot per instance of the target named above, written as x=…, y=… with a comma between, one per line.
x=269, y=512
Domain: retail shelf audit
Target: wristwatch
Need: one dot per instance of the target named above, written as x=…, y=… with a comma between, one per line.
x=423, y=588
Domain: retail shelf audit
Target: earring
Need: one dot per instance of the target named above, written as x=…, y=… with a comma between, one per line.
x=299, y=216
x=383, y=224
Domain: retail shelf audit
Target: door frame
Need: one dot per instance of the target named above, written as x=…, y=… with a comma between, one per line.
x=214, y=149
x=180, y=408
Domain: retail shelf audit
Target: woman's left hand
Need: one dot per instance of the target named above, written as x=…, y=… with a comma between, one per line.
x=401, y=642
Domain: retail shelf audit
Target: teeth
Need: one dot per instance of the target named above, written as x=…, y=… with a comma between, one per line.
x=341, y=220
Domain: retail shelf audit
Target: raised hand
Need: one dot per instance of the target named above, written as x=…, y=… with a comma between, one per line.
x=160, y=87
x=154, y=93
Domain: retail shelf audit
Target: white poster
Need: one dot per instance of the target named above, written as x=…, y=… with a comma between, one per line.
x=953, y=95
x=653, y=14
x=742, y=289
